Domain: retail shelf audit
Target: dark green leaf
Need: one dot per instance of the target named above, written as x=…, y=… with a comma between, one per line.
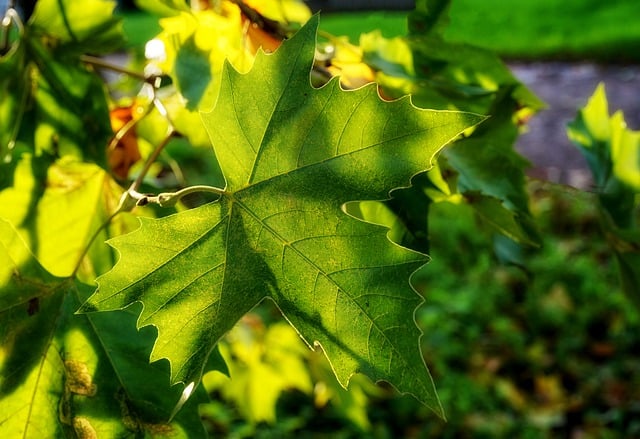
x=292, y=157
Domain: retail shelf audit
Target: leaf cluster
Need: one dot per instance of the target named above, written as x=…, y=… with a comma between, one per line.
x=317, y=198
x=613, y=154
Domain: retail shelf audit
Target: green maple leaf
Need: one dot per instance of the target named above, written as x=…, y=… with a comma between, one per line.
x=292, y=157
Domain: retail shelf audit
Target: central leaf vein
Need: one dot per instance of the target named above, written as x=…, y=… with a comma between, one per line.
x=338, y=287
x=272, y=120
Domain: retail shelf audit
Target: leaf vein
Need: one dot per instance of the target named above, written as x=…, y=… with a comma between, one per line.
x=340, y=156
x=283, y=93
x=182, y=289
x=347, y=124
x=338, y=287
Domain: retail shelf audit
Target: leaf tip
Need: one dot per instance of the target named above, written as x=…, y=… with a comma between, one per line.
x=86, y=308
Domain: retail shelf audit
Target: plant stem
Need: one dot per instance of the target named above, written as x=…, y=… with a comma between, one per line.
x=92, y=239
x=131, y=197
x=10, y=16
x=168, y=199
x=151, y=159
x=100, y=63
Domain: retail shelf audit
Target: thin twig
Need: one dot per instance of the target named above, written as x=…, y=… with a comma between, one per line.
x=95, y=235
x=151, y=159
x=100, y=63
x=129, y=199
x=168, y=199
x=10, y=16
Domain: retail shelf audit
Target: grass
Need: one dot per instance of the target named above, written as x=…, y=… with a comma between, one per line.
x=534, y=29
x=527, y=29
x=531, y=354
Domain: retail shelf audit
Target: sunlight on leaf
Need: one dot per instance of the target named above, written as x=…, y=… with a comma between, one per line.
x=292, y=156
x=49, y=205
x=87, y=26
x=606, y=142
x=613, y=154
x=62, y=372
x=263, y=363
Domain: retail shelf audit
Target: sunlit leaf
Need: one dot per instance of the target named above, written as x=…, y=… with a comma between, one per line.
x=625, y=152
x=194, y=55
x=62, y=374
x=442, y=75
x=606, y=142
x=288, y=12
x=163, y=8
x=263, y=363
x=57, y=207
x=85, y=27
x=613, y=154
x=79, y=128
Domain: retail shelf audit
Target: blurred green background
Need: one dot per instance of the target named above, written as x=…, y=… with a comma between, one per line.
x=527, y=29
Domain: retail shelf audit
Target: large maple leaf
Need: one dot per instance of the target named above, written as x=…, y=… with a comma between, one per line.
x=292, y=157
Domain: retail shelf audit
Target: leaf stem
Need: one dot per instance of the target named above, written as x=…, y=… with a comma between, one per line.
x=169, y=199
x=93, y=238
x=131, y=197
x=100, y=63
x=152, y=158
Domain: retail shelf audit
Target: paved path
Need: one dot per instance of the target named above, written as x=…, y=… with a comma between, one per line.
x=565, y=87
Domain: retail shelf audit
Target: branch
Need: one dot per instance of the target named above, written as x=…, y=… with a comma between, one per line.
x=102, y=64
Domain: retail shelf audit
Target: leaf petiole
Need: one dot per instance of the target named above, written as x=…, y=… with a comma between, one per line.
x=100, y=63
x=169, y=199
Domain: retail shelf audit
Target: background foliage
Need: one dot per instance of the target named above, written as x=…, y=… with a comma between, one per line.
x=525, y=329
